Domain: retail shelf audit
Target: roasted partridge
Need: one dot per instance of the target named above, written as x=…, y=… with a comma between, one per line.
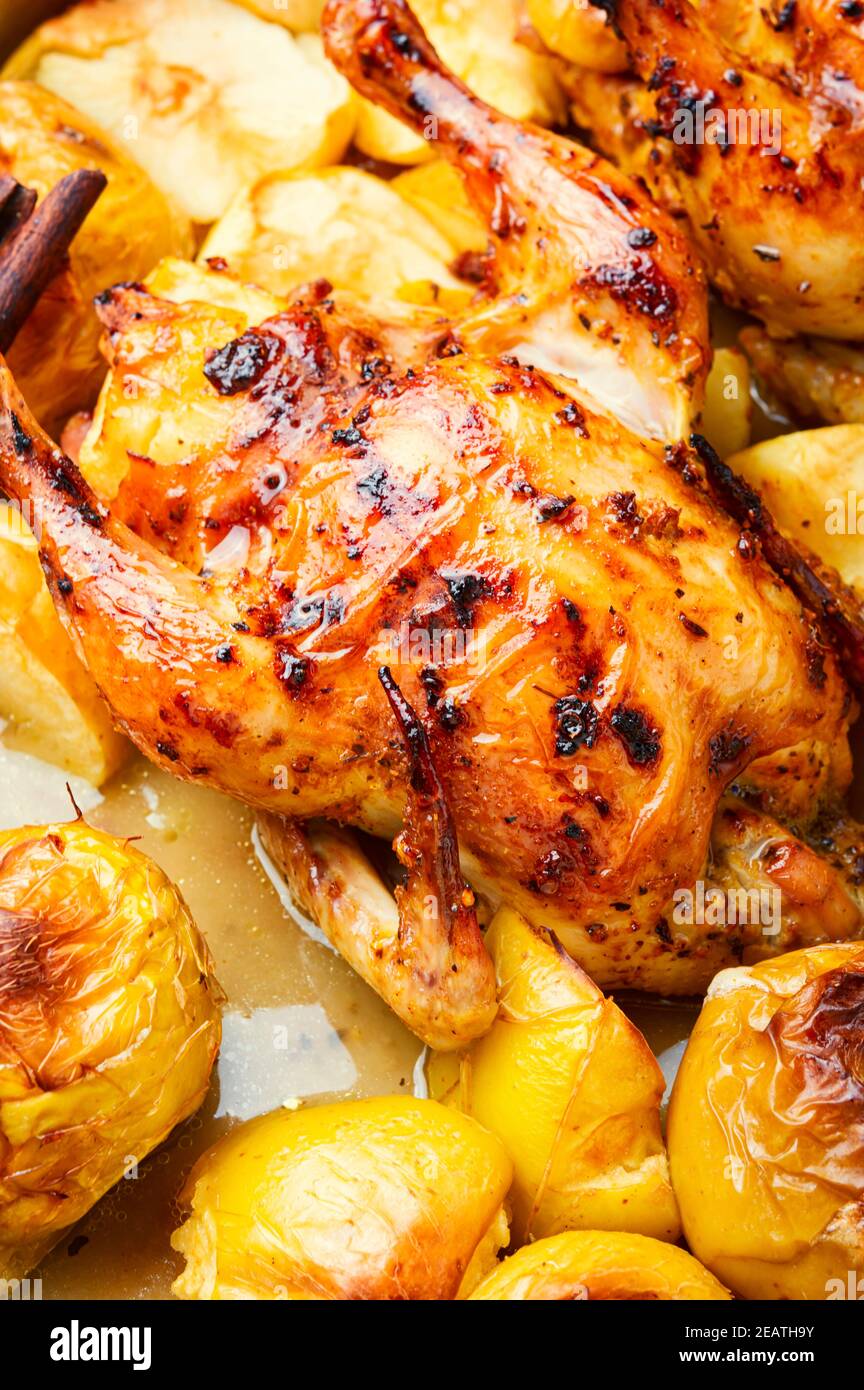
x=378, y=568
x=748, y=120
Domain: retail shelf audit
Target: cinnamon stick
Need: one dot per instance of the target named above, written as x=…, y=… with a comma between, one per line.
x=36, y=249
x=16, y=205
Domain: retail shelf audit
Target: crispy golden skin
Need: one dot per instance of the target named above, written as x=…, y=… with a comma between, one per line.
x=766, y=1126
x=775, y=205
x=384, y=1199
x=109, y=1025
x=572, y=1090
x=591, y=650
x=589, y=1265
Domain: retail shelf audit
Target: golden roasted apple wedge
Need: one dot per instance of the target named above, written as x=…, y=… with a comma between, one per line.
x=766, y=1126
x=206, y=94
x=590, y=1265
x=571, y=1088
x=340, y=224
x=56, y=358
x=109, y=1025
x=813, y=482
x=388, y=1198
x=52, y=706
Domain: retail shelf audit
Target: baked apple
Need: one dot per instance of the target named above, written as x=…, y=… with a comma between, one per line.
x=392, y=1198
x=572, y=1090
x=109, y=1025
x=766, y=1126
x=589, y=1265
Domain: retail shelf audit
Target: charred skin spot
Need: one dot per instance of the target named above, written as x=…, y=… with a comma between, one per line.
x=663, y=933
x=224, y=728
x=475, y=266
x=625, y=509
x=466, y=589
x=785, y=17
x=639, y=237
x=64, y=585
x=375, y=486
x=167, y=750
x=576, y=725
x=433, y=685
x=571, y=611
x=21, y=969
x=695, y=629
x=62, y=478
x=292, y=670
x=610, y=9
x=573, y=418
x=450, y=716
x=552, y=508
x=374, y=368
x=552, y=872
x=241, y=363
x=726, y=748
x=747, y=502
x=21, y=440
x=323, y=610
x=405, y=46
x=641, y=741
x=349, y=437
x=814, y=654
x=639, y=285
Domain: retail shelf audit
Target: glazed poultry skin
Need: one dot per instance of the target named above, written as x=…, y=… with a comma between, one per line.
x=626, y=652
x=772, y=193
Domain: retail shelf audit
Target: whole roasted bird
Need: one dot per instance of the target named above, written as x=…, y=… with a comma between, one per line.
x=467, y=606
x=748, y=121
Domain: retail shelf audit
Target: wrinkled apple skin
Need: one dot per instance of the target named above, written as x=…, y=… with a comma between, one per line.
x=371, y=1199
x=109, y=1025
x=766, y=1125
x=573, y=1091
x=589, y=1265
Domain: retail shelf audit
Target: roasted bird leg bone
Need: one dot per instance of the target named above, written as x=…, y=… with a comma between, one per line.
x=443, y=992
x=423, y=953
x=593, y=280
